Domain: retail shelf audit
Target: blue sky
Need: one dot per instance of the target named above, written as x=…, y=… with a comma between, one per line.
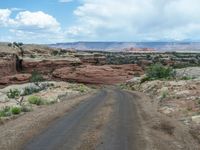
x=51, y=21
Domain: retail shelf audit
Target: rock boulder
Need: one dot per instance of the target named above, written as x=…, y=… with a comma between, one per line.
x=15, y=79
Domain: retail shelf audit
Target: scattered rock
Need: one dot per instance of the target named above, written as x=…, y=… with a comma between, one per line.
x=182, y=93
x=196, y=119
x=166, y=110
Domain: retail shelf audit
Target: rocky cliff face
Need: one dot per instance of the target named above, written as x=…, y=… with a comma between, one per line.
x=106, y=74
x=7, y=64
x=81, y=67
x=48, y=65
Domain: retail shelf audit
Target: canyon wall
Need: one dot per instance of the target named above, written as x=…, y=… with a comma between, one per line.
x=48, y=65
x=105, y=74
x=7, y=64
x=83, y=69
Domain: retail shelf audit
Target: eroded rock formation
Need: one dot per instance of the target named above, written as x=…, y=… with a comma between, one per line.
x=106, y=74
x=48, y=65
x=7, y=64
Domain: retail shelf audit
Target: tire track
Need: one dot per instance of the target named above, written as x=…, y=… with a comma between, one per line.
x=65, y=132
x=107, y=121
x=123, y=132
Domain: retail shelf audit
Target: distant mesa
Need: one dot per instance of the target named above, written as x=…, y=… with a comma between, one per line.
x=130, y=46
x=135, y=50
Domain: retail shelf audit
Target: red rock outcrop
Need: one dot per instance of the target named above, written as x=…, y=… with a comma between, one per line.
x=7, y=65
x=48, y=65
x=106, y=74
x=15, y=79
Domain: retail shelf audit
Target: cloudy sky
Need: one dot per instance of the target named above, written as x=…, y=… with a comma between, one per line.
x=51, y=21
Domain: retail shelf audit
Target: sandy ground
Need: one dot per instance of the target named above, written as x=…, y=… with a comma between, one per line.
x=162, y=132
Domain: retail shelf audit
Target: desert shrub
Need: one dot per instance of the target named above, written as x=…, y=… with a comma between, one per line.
x=164, y=94
x=16, y=110
x=9, y=44
x=31, y=90
x=36, y=77
x=79, y=87
x=20, y=44
x=55, y=53
x=26, y=108
x=5, y=112
x=51, y=84
x=8, y=111
x=144, y=79
x=158, y=71
x=32, y=56
x=127, y=86
x=13, y=93
x=186, y=78
x=15, y=43
x=35, y=100
x=27, y=91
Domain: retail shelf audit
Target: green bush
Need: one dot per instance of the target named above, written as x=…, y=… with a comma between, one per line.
x=31, y=90
x=144, y=79
x=36, y=77
x=35, y=100
x=186, y=78
x=9, y=44
x=27, y=91
x=79, y=87
x=8, y=111
x=5, y=112
x=158, y=71
x=16, y=110
x=13, y=93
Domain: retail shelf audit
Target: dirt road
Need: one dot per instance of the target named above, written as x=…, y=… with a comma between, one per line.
x=106, y=121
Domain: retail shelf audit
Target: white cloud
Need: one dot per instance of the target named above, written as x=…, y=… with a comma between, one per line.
x=5, y=19
x=122, y=20
x=136, y=20
x=31, y=26
x=36, y=21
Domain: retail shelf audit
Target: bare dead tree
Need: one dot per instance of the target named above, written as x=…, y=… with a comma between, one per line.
x=20, y=100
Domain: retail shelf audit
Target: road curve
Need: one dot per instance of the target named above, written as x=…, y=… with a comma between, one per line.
x=120, y=131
